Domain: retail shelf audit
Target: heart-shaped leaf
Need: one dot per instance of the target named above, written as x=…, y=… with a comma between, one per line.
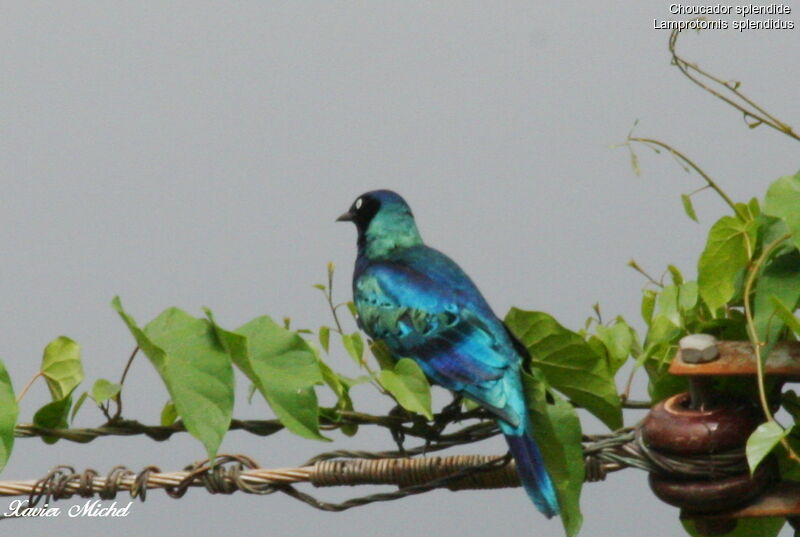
x=407, y=383
x=195, y=369
x=61, y=366
x=569, y=363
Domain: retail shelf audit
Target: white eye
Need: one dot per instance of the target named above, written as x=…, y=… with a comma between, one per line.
x=359, y=202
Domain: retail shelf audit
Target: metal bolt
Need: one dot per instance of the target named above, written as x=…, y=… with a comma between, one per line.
x=698, y=349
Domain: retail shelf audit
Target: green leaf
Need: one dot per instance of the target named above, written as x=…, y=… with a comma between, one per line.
x=598, y=347
x=382, y=354
x=730, y=245
x=668, y=304
x=635, y=163
x=677, y=277
x=771, y=229
x=754, y=207
x=469, y=404
x=9, y=411
x=341, y=387
x=354, y=346
x=788, y=468
x=782, y=201
x=648, y=305
x=53, y=415
x=596, y=309
x=169, y=414
x=791, y=403
x=325, y=337
x=748, y=211
x=195, y=369
x=762, y=442
x=77, y=406
x=745, y=527
x=780, y=280
x=284, y=369
x=103, y=390
x=662, y=332
x=355, y=381
x=688, y=207
x=558, y=434
x=660, y=346
x=618, y=340
x=687, y=296
x=407, y=383
x=569, y=364
x=61, y=366
x=786, y=315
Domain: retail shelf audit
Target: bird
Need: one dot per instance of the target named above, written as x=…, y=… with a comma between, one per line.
x=423, y=306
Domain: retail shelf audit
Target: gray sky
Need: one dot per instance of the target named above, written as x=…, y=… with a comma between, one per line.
x=196, y=154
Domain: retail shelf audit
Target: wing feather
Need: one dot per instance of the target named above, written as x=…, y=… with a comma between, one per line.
x=444, y=328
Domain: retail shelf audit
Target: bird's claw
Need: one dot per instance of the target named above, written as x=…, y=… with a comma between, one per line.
x=450, y=413
x=453, y=409
x=398, y=435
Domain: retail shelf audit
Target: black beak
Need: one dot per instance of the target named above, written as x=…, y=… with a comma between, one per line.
x=346, y=217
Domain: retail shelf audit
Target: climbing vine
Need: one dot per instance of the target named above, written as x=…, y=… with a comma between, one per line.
x=747, y=288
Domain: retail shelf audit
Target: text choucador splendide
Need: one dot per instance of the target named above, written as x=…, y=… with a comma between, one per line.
x=741, y=10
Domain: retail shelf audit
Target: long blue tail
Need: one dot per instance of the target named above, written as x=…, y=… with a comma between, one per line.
x=531, y=469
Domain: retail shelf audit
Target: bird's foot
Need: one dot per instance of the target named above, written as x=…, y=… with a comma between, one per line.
x=398, y=435
x=453, y=408
x=449, y=414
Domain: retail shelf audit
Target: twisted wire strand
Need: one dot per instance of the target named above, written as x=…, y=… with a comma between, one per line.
x=466, y=474
x=231, y=473
x=407, y=425
x=412, y=474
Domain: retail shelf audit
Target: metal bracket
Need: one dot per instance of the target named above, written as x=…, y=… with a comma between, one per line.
x=701, y=357
x=738, y=358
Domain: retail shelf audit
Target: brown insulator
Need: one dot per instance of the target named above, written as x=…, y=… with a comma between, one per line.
x=673, y=427
x=703, y=496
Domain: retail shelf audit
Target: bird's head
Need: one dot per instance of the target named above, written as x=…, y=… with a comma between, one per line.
x=384, y=222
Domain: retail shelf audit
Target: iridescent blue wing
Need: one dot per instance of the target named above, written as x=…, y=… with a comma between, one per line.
x=445, y=326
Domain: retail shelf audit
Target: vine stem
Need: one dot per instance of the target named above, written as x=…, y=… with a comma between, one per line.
x=118, y=398
x=686, y=160
x=757, y=112
x=635, y=266
x=756, y=342
x=329, y=297
x=28, y=386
